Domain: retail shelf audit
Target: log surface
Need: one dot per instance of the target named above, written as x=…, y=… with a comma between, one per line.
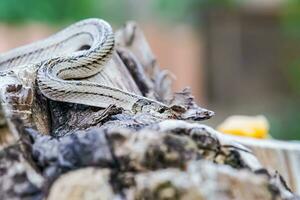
x=69, y=151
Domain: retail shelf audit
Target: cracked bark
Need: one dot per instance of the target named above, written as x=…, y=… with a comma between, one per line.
x=69, y=151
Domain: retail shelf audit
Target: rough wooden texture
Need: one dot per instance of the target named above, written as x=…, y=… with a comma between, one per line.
x=69, y=151
x=275, y=155
x=6, y=138
x=89, y=183
x=144, y=162
x=18, y=179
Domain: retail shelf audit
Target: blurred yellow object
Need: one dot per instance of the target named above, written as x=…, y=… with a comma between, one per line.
x=248, y=126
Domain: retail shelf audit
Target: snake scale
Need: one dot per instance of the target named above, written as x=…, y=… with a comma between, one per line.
x=63, y=61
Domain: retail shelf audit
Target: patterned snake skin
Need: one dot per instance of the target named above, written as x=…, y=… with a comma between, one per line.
x=63, y=62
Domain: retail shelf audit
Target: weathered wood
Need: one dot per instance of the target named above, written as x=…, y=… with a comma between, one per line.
x=18, y=179
x=133, y=155
x=132, y=38
x=275, y=155
x=6, y=138
x=89, y=183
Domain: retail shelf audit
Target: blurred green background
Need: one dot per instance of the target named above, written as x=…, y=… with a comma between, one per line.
x=245, y=52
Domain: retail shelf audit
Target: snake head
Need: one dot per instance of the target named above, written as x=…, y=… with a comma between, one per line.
x=160, y=110
x=153, y=107
x=193, y=113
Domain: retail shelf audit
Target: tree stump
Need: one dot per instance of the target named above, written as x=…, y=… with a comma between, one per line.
x=70, y=151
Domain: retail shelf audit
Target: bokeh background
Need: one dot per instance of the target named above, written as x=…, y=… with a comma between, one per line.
x=238, y=56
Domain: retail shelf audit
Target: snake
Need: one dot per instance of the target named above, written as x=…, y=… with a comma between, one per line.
x=66, y=59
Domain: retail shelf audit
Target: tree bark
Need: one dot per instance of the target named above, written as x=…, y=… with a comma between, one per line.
x=70, y=151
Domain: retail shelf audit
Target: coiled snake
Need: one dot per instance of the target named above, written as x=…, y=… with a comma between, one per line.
x=63, y=61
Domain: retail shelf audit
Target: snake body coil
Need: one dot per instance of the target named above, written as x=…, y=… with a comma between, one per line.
x=66, y=59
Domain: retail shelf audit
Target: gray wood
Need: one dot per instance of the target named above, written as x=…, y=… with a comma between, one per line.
x=129, y=155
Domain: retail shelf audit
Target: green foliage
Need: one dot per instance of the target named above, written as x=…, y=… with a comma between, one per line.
x=290, y=18
x=174, y=9
x=50, y=11
x=294, y=76
x=285, y=125
x=187, y=10
x=290, y=24
x=59, y=11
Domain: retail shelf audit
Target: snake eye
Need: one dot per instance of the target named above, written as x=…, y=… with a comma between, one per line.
x=162, y=110
x=84, y=47
x=139, y=105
